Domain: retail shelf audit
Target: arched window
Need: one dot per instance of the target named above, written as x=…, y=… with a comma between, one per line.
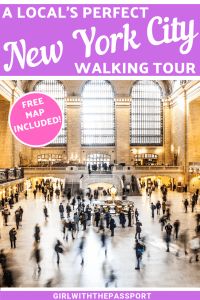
x=146, y=114
x=56, y=90
x=98, y=114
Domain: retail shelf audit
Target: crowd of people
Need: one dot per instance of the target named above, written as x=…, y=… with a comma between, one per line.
x=99, y=167
x=79, y=212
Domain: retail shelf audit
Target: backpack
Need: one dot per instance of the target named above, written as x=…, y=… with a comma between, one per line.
x=141, y=248
x=58, y=249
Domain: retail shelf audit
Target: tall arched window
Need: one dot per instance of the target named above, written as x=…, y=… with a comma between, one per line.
x=146, y=114
x=98, y=114
x=56, y=90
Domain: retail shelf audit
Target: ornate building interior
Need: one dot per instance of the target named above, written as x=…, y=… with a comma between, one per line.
x=151, y=126
x=124, y=146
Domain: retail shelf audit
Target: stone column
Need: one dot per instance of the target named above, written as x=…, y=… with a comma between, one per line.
x=73, y=128
x=167, y=133
x=122, y=121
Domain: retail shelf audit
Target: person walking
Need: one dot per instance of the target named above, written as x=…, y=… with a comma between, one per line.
x=168, y=229
x=81, y=249
x=21, y=213
x=97, y=217
x=34, y=193
x=61, y=210
x=73, y=202
x=163, y=207
x=68, y=210
x=112, y=226
x=186, y=204
x=129, y=217
x=122, y=219
x=138, y=230
x=3, y=260
x=168, y=213
x=37, y=233
x=139, y=250
x=13, y=237
x=25, y=194
x=17, y=218
x=193, y=203
x=76, y=221
x=6, y=213
x=176, y=228
x=45, y=210
x=107, y=218
x=163, y=221
x=59, y=250
x=36, y=255
x=158, y=207
x=153, y=207
x=104, y=242
x=136, y=215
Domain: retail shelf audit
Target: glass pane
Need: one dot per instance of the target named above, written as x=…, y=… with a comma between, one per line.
x=56, y=90
x=97, y=114
x=146, y=114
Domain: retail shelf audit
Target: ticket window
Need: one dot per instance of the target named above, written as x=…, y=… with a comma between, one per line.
x=149, y=162
x=146, y=159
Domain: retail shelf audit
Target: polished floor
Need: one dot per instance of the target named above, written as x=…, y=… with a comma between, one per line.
x=159, y=268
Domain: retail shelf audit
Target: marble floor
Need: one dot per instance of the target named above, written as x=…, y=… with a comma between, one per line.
x=159, y=268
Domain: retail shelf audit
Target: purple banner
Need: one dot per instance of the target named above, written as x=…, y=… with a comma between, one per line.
x=99, y=40
x=99, y=295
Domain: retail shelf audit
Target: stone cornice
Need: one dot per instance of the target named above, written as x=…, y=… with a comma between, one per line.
x=122, y=101
x=73, y=101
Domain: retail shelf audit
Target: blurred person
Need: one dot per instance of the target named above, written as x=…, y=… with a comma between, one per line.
x=176, y=228
x=36, y=255
x=186, y=204
x=61, y=210
x=158, y=207
x=112, y=226
x=153, y=208
x=3, y=259
x=17, y=218
x=81, y=249
x=59, y=249
x=168, y=229
x=104, y=241
x=138, y=230
x=5, y=214
x=45, y=210
x=13, y=237
x=112, y=279
x=139, y=250
x=37, y=233
x=136, y=214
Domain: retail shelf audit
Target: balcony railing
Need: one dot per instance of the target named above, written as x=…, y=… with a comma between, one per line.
x=7, y=175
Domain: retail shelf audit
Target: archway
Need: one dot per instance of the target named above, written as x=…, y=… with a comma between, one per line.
x=194, y=183
x=157, y=181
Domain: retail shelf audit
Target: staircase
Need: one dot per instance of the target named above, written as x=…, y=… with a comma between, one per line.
x=74, y=187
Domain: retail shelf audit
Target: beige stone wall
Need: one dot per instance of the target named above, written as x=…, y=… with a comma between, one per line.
x=194, y=131
x=178, y=129
x=122, y=121
x=6, y=157
x=10, y=148
x=73, y=129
